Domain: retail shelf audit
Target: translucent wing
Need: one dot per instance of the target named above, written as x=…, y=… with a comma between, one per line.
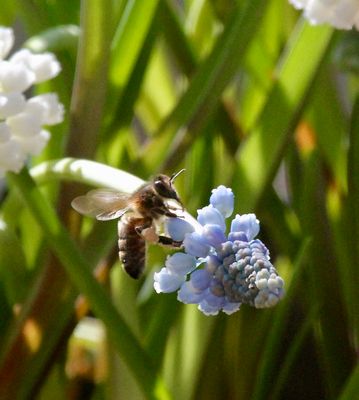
x=104, y=204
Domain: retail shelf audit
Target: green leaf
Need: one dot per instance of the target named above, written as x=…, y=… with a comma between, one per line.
x=13, y=272
x=129, y=37
x=80, y=274
x=202, y=97
x=272, y=346
x=351, y=388
x=64, y=37
x=267, y=142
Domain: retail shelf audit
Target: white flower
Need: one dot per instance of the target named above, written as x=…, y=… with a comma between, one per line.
x=15, y=77
x=11, y=104
x=12, y=158
x=6, y=41
x=53, y=109
x=22, y=120
x=342, y=14
x=44, y=66
x=5, y=132
x=34, y=145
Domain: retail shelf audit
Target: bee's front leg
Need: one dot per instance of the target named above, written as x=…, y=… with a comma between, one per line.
x=167, y=241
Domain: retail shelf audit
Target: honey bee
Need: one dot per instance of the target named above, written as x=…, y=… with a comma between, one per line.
x=139, y=215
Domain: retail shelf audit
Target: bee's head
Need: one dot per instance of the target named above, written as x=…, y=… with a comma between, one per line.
x=163, y=185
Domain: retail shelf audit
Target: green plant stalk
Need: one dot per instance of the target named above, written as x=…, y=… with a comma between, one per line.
x=80, y=275
x=90, y=87
x=272, y=345
x=202, y=98
x=351, y=388
x=293, y=351
x=353, y=217
x=129, y=37
x=288, y=97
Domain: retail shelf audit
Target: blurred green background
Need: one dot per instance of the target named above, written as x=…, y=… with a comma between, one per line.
x=241, y=93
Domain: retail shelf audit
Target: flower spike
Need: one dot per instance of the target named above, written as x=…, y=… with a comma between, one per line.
x=219, y=272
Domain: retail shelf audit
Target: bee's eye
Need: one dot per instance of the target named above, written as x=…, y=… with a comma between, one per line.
x=161, y=188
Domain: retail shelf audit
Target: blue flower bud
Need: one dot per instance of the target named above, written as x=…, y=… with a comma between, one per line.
x=241, y=236
x=180, y=263
x=210, y=215
x=167, y=282
x=189, y=295
x=195, y=245
x=200, y=279
x=177, y=228
x=222, y=199
x=246, y=223
x=212, y=262
x=213, y=235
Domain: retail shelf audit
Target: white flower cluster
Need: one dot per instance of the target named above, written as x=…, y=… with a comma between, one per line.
x=342, y=14
x=21, y=118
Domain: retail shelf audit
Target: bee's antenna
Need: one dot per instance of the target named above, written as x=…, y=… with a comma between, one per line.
x=174, y=176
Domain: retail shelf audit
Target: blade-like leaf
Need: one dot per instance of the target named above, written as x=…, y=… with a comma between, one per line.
x=267, y=141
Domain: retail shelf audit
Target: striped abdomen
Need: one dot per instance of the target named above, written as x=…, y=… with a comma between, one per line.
x=132, y=246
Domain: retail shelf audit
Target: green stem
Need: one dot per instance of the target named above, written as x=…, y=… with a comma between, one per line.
x=79, y=273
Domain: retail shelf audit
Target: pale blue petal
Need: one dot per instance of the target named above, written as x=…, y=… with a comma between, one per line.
x=210, y=215
x=222, y=199
x=207, y=309
x=230, y=308
x=177, y=228
x=212, y=263
x=180, y=263
x=167, y=282
x=213, y=234
x=247, y=223
x=200, y=279
x=211, y=305
x=241, y=236
x=215, y=301
x=195, y=245
x=189, y=295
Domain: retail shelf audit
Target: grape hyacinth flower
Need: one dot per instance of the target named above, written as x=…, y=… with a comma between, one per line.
x=219, y=271
x=342, y=14
x=21, y=118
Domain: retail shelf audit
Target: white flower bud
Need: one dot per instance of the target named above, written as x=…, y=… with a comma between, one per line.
x=53, y=109
x=26, y=123
x=6, y=41
x=11, y=156
x=15, y=77
x=5, y=132
x=11, y=104
x=35, y=144
x=45, y=66
x=342, y=14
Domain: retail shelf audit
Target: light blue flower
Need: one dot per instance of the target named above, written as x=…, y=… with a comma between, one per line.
x=222, y=198
x=210, y=215
x=178, y=227
x=219, y=272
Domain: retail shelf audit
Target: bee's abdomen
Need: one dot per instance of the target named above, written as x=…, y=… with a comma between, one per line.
x=132, y=247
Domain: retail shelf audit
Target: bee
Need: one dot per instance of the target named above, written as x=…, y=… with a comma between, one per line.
x=140, y=215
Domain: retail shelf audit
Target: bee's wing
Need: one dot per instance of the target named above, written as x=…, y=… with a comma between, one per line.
x=104, y=204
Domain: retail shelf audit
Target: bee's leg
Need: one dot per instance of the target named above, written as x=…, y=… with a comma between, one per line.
x=147, y=231
x=163, y=210
x=167, y=241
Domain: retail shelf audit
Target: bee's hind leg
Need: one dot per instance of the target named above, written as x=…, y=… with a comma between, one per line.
x=148, y=232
